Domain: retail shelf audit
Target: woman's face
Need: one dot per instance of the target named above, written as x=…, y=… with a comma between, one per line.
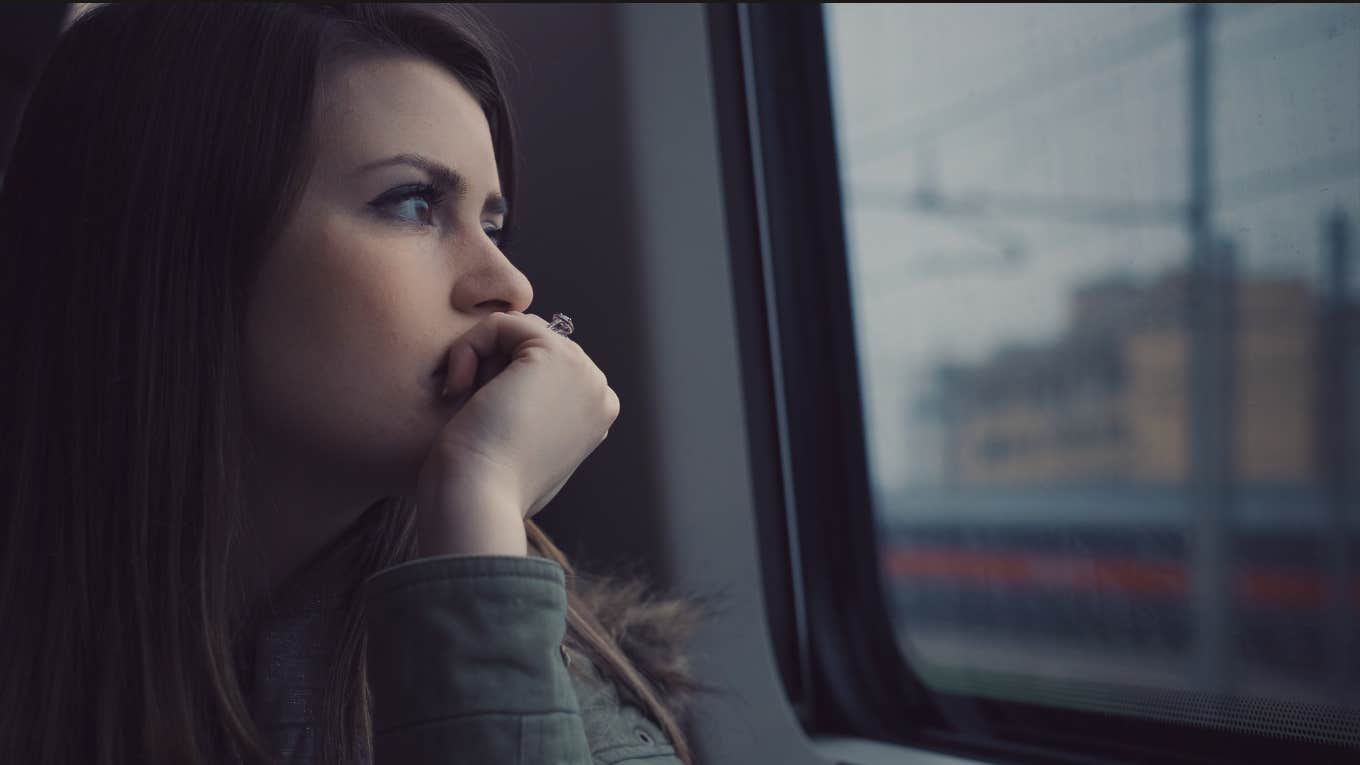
x=372, y=279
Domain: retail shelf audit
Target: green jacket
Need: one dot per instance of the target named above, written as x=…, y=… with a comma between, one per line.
x=466, y=665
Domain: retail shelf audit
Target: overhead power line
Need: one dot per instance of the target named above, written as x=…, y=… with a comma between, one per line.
x=1246, y=189
x=889, y=140
x=1139, y=43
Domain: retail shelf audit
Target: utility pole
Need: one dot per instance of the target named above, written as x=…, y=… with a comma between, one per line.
x=1211, y=363
x=1337, y=443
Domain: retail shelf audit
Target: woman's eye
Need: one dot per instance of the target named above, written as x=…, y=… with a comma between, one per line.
x=493, y=232
x=411, y=204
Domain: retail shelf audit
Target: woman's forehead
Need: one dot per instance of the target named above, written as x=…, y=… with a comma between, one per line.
x=377, y=107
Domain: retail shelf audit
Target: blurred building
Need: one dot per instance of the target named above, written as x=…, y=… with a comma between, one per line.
x=1107, y=401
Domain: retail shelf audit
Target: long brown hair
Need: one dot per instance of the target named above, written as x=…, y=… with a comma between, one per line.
x=161, y=151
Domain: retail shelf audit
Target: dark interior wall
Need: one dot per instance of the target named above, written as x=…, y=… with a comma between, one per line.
x=27, y=33
x=577, y=242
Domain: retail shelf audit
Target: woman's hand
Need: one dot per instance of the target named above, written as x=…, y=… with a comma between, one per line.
x=534, y=407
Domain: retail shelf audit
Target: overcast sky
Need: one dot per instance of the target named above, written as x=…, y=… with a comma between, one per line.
x=1062, y=109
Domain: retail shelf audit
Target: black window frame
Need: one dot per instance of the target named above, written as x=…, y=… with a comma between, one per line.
x=835, y=646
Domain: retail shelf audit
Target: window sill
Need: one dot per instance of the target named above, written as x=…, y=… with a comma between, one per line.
x=860, y=751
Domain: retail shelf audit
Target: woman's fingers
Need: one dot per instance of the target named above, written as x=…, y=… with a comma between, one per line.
x=539, y=408
x=483, y=351
x=501, y=333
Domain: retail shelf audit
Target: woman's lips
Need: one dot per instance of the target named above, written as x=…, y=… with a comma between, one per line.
x=438, y=384
x=439, y=378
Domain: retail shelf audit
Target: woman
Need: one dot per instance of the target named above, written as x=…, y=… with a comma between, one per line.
x=276, y=417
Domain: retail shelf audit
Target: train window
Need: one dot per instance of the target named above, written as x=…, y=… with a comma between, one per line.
x=1065, y=345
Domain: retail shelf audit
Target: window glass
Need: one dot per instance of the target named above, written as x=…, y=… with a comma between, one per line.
x=1103, y=262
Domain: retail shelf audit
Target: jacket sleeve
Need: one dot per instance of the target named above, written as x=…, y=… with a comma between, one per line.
x=465, y=663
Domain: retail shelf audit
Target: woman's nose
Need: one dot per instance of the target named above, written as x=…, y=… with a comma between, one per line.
x=495, y=283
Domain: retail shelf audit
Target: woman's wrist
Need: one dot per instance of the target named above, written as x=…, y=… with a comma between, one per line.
x=476, y=520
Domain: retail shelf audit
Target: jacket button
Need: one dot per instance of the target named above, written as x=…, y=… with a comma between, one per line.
x=566, y=657
x=644, y=736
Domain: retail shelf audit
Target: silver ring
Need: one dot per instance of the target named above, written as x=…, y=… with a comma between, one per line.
x=561, y=324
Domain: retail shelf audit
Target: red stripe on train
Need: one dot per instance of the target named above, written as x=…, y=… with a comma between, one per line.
x=1275, y=586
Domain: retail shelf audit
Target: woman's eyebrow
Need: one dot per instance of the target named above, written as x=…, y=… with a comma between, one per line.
x=441, y=175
